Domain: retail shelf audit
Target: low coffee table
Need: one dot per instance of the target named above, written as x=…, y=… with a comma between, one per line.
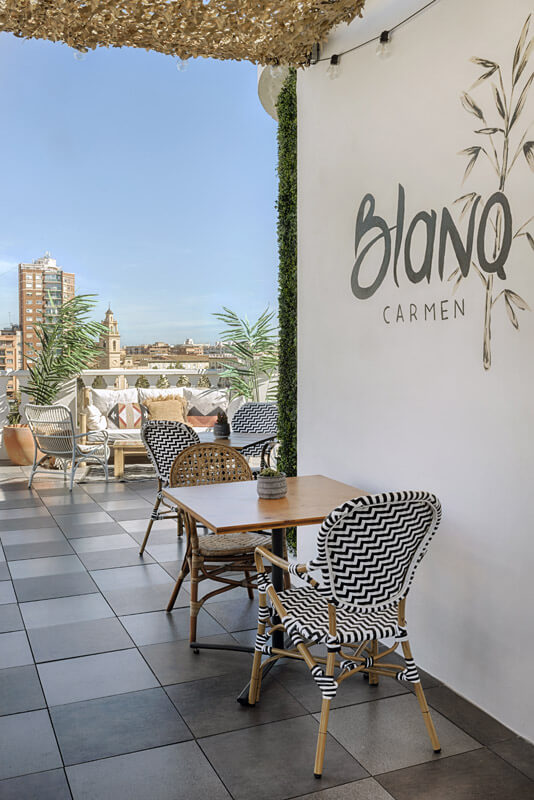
x=120, y=449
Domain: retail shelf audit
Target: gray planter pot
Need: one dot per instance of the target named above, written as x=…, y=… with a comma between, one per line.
x=272, y=487
x=221, y=431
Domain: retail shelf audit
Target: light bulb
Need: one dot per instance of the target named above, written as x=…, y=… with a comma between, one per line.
x=334, y=68
x=79, y=55
x=181, y=64
x=276, y=71
x=383, y=48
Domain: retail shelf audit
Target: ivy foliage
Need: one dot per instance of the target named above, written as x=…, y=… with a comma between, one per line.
x=287, y=280
x=287, y=275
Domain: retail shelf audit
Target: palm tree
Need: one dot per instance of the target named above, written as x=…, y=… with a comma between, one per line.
x=254, y=346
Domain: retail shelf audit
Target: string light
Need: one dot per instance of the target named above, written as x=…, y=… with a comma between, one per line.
x=383, y=43
x=383, y=48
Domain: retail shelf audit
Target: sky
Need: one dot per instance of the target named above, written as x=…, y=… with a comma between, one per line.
x=155, y=186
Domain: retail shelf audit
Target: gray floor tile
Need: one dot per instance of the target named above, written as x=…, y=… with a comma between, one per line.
x=14, y=650
x=139, y=525
x=471, y=719
x=93, y=544
x=166, y=552
x=108, y=559
x=51, y=785
x=28, y=523
x=10, y=618
x=49, y=586
x=75, y=499
x=56, y=547
x=111, y=490
x=42, y=613
x=176, y=772
x=37, y=567
x=90, y=531
x=69, y=522
x=24, y=513
x=390, y=734
x=366, y=789
x=124, y=505
x=126, y=577
x=28, y=744
x=160, y=626
x=20, y=502
x=111, y=726
x=7, y=594
x=236, y=614
x=175, y=662
x=209, y=706
x=100, y=675
x=479, y=775
x=297, y=679
x=32, y=535
x=283, y=756
x=139, y=599
x=78, y=639
x=519, y=753
x=4, y=572
x=141, y=512
x=20, y=690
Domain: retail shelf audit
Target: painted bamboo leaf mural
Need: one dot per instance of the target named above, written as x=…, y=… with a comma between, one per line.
x=501, y=145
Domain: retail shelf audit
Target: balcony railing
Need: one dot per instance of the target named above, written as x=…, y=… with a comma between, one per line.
x=119, y=378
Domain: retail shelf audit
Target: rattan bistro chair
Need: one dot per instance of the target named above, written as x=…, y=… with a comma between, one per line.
x=163, y=440
x=209, y=557
x=367, y=552
x=54, y=435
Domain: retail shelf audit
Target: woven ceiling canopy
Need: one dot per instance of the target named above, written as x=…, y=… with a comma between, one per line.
x=266, y=32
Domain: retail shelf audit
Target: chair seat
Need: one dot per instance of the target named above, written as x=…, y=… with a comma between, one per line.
x=100, y=450
x=232, y=543
x=307, y=611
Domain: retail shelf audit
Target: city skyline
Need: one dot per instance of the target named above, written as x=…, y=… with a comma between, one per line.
x=172, y=173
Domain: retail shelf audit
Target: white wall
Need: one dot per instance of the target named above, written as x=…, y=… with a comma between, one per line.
x=415, y=407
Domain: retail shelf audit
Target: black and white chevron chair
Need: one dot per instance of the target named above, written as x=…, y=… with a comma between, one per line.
x=163, y=441
x=367, y=552
x=256, y=418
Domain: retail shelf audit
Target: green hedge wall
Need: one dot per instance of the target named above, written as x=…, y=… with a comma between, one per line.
x=287, y=277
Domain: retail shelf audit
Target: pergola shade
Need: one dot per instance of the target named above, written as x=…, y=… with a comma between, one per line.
x=266, y=32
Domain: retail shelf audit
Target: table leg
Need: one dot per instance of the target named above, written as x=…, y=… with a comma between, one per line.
x=118, y=466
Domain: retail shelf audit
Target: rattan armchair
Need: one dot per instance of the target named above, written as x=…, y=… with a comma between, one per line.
x=54, y=436
x=208, y=556
x=367, y=552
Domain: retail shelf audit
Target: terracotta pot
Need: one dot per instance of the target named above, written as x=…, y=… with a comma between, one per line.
x=18, y=442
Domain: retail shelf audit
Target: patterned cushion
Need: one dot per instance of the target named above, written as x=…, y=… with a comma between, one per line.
x=169, y=408
x=127, y=415
x=196, y=418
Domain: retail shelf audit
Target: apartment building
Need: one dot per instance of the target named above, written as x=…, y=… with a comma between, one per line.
x=10, y=352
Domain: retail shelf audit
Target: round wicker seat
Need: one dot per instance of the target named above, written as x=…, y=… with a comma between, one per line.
x=233, y=543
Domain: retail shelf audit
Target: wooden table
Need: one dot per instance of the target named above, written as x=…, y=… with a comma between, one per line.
x=136, y=448
x=235, y=507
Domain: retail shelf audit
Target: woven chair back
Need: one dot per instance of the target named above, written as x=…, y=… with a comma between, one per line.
x=369, y=548
x=256, y=418
x=52, y=428
x=163, y=440
x=209, y=463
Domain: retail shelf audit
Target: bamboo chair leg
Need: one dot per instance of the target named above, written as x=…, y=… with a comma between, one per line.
x=250, y=591
x=419, y=693
x=323, y=724
x=184, y=570
x=373, y=677
x=180, y=523
x=149, y=528
x=194, y=605
x=321, y=739
x=255, y=678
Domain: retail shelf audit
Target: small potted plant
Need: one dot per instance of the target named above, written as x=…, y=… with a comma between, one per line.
x=18, y=439
x=271, y=484
x=221, y=429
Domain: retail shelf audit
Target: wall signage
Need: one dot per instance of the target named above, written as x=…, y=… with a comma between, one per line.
x=485, y=247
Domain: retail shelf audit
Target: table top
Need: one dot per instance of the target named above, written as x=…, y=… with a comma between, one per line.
x=128, y=444
x=231, y=507
x=236, y=440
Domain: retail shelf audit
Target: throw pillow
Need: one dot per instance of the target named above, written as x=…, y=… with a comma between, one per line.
x=96, y=421
x=127, y=415
x=196, y=418
x=169, y=408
